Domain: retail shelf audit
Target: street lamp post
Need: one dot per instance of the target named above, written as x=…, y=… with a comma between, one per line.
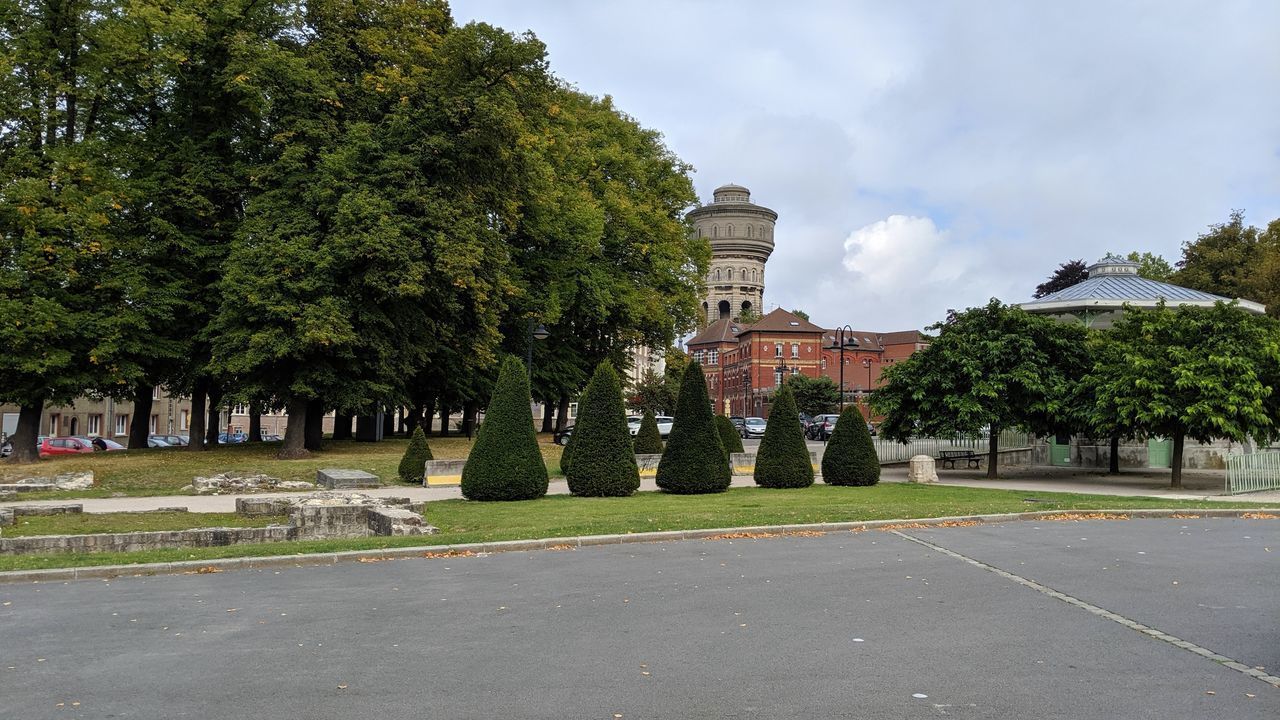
x=746, y=392
x=844, y=338
x=537, y=331
x=782, y=371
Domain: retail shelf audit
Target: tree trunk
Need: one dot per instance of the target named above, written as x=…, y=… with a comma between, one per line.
x=469, y=410
x=212, y=426
x=313, y=429
x=24, y=436
x=195, y=433
x=140, y=423
x=428, y=416
x=548, y=417
x=342, y=426
x=1114, y=466
x=295, y=432
x=993, y=453
x=412, y=419
x=1176, y=465
x=562, y=413
x=389, y=422
x=255, y=423
x=444, y=420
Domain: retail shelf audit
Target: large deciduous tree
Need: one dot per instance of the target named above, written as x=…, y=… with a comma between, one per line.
x=814, y=396
x=990, y=369
x=1235, y=260
x=1190, y=372
x=1072, y=272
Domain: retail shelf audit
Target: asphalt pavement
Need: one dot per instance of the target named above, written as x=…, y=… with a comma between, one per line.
x=1016, y=620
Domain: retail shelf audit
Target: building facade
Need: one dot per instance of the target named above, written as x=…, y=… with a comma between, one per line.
x=741, y=237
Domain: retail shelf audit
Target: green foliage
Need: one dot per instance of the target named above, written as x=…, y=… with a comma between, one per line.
x=814, y=396
x=850, y=457
x=782, y=460
x=505, y=463
x=1152, y=266
x=1072, y=272
x=604, y=464
x=748, y=317
x=995, y=367
x=654, y=394
x=800, y=314
x=413, y=464
x=694, y=460
x=728, y=435
x=648, y=440
x=1236, y=261
x=1202, y=373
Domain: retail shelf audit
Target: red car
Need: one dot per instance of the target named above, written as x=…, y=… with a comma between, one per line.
x=65, y=446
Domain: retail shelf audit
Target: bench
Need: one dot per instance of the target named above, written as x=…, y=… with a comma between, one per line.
x=949, y=458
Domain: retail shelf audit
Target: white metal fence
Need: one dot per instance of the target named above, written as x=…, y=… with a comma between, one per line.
x=1253, y=472
x=895, y=452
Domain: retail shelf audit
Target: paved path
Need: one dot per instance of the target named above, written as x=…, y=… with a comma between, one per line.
x=1200, y=486
x=870, y=624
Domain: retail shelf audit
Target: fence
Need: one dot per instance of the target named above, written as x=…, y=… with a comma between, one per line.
x=895, y=452
x=1253, y=472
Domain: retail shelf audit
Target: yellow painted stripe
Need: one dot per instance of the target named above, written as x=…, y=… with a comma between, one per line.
x=444, y=480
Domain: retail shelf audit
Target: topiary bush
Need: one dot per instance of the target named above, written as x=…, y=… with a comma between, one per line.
x=728, y=435
x=413, y=464
x=694, y=461
x=603, y=463
x=505, y=463
x=782, y=460
x=648, y=439
x=850, y=458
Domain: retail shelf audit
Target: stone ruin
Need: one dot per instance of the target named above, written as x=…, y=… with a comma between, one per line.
x=65, y=481
x=243, y=483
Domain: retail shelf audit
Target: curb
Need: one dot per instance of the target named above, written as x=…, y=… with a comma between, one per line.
x=335, y=558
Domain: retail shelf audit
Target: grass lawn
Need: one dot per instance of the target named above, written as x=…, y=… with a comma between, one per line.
x=462, y=521
x=95, y=523
x=166, y=471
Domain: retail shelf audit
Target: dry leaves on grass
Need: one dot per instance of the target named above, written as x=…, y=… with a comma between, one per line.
x=1184, y=516
x=561, y=547
x=1077, y=517
x=207, y=569
x=373, y=559
x=449, y=554
x=924, y=526
x=1259, y=516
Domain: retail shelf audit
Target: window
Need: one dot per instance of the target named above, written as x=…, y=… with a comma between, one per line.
x=795, y=371
x=184, y=420
x=795, y=350
x=717, y=273
x=715, y=231
x=715, y=357
x=730, y=231
x=777, y=350
x=240, y=410
x=777, y=377
x=155, y=393
x=698, y=356
x=122, y=424
x=730, y=274
x=154, y=425
x=750, y=231
x=55, y=424
x=94, y=424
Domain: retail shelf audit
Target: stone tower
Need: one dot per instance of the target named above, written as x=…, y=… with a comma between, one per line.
x=741, y=235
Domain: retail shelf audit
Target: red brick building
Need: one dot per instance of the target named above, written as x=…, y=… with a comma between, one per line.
x=745, y=364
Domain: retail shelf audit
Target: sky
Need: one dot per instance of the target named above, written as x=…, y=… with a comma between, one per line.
x=931, y=155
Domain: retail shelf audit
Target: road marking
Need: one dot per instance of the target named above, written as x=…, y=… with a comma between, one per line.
x=1103, y=613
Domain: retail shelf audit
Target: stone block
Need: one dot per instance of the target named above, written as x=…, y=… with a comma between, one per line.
x=330, y=521
x=68, y=509
x=6, y=516
x=443, y=472
x=923, y=470
x=648, y=464
x=398, y=521
x=27, y=487
x=252, y=507
x=336, y=479
x=8, y=494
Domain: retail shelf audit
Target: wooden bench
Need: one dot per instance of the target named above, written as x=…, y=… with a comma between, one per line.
x=949, y=458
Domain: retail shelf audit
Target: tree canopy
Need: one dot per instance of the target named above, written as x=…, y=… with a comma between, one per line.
x=1069, y=273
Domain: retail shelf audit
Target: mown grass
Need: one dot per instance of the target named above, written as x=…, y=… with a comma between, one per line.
x=125, y=522
x=462, y=521
x=167, y=471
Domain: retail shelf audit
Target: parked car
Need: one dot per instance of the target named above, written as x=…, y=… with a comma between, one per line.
x=738, y=421
x=805, y=420
x=65, y=446
x=232, y=438
x=562, y=436
x=753, y=427
x=664, y=425
x=871, y=429
x=171, y=440
x=6, y=449
x=103, y=444
x=822, y=427
x=155, y=442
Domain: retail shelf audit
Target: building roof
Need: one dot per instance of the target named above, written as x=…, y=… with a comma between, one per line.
x=1114, y=282
x=782, y=321
x=720, y=331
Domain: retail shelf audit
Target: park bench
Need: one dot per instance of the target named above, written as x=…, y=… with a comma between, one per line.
x=949, y=458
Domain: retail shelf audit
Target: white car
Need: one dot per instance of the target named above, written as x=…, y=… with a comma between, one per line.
x=664, y=425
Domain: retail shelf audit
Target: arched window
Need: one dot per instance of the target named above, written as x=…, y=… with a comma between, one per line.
x=724, y=308
x=730, y=231
x=699, y=232
x=753, y=276
x=715, y=231
x=717, y=273
x=751, y=231
x=730, y=274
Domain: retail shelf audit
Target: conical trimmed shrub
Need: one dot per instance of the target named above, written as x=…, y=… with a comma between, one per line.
x=782, y=460
x=603, y=463
x=850, y=457
x=729, y=435
x=505, y=463
x=648, y=439
x=694, y=461
x=413, y=464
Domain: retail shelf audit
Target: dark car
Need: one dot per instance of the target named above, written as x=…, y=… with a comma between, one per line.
x=737, y=421
x=172, y=440
x=562, y=436
x=822, y=427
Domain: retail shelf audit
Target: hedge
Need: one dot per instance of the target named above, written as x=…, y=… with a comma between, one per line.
x=505, y=463
x=648, y=439
x=694, y=461
x=414, y=463
x=782, y=460
x=850, y=458
x=603, y=464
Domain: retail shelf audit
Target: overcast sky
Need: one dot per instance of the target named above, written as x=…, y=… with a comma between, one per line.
x=930, y=155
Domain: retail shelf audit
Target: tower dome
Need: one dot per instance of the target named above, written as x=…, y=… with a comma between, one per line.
x=741, y=237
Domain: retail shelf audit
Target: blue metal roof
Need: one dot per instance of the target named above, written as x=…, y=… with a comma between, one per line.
x=1126, y=288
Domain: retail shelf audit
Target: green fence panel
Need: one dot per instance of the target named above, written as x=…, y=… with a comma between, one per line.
x=1253, y=472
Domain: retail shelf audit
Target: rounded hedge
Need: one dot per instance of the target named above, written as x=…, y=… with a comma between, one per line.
x=603, y=463
x=782, y=460
x=648, y=440
x=505, y=463
x=850, y=458
x=694, y=461
x=414, y=463
x=729, y=435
